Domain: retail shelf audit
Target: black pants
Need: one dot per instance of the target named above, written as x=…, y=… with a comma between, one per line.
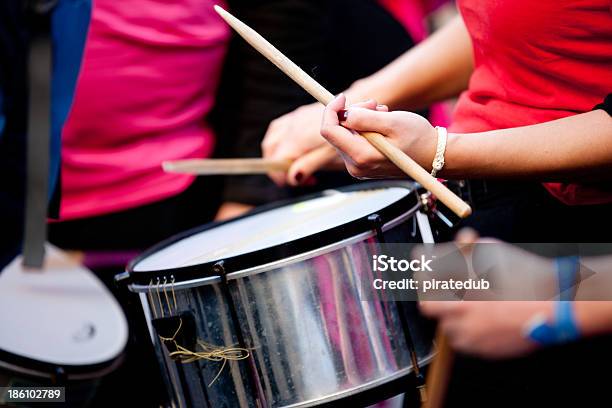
x=566, y=376
x=141, y=227
x=562, y=376
x=525, y=212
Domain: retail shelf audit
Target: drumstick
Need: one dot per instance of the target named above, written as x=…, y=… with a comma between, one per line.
x=225, y=166
x=394, y=154
x=439, y=373
x=322, y=157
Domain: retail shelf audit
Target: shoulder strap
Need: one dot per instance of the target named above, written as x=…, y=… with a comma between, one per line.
x=35, y=232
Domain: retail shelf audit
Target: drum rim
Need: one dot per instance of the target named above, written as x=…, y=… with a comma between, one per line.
x=359, y=389
x=41, y=369
x=275, y=253
x=203, y=281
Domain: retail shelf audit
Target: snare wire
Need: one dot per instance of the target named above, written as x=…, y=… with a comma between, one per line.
x=207, y=351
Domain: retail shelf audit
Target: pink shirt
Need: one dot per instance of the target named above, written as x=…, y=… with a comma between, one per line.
x=148, y=80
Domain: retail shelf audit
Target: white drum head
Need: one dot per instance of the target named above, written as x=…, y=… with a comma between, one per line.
x=271, y=228
x=62, y=315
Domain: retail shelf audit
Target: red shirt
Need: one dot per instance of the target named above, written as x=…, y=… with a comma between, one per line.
x=537, y=61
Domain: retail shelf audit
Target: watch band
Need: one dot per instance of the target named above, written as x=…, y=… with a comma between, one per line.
x=564, y=328
x=567, y=268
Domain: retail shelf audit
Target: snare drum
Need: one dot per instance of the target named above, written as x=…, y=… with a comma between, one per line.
x=60, y=326
x=281, y=287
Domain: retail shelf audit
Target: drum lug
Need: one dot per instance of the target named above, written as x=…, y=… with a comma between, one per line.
x=429, y=207
x=59, y=376
x=428, y=204
x=219, y=269
x=377, y=223
x=260, y=399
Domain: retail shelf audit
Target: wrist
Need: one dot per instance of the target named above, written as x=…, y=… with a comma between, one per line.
x=561, y=327
x=452, y=158
x=568, y=269
x=423, y=146
x=593, y=317
x=582, y=313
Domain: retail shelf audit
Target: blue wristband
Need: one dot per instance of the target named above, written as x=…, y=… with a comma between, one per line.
x=2, y=117
x=563, y=330
x=567, y=271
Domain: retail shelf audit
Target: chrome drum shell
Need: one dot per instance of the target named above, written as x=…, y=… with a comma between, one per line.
x=312, y=338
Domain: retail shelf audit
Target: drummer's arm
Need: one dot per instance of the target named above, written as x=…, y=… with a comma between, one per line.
x=593, y=318
x=436, y=69
x=573, y=148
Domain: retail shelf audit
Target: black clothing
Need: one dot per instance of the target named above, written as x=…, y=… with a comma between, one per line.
x=524, y=212
x=14, y=49
x=572, y=375
x=521, y=212
x=141, y=227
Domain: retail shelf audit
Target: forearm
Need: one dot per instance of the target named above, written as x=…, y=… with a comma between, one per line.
x=574, y=148
x=436, y=69
x=594, y=318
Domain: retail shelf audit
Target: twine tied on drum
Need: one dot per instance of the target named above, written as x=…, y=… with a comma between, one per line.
x=204, y=351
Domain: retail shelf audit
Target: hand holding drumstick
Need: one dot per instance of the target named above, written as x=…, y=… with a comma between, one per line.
x=296, y=136
x=362, y=160
x=392, y=152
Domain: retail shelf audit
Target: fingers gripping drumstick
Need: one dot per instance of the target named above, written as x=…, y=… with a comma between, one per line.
x=395, y=155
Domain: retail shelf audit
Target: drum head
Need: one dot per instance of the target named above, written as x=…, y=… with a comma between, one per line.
x=59, y=316
x=273, y=233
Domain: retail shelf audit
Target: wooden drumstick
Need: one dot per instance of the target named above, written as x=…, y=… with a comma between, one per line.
x=225, y=166
x=395, y=155
x=321, y=157
x=439, y=373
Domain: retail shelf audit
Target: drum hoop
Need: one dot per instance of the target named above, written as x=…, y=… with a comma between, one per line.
x=281, y=262
x=258, y=259
x=34, y=368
